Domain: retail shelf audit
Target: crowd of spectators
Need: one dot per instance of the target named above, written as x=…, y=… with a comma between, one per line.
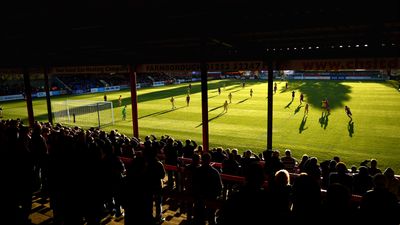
x=90, y=167
x=84, y=82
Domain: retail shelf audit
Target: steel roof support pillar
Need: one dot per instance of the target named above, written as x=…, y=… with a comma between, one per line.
x=48, y=101
x=204, y=105
x=270, y=104
x=28, y=97
x=132, y=76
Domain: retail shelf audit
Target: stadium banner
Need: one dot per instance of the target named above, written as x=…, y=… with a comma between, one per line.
x=112, y=88
x=211, y=66
x=341, y=64
x=363, y=78
x=124, y=86
x=178, y=81
x=317, y=64
x=39, y=94
x=11, y=97
x=338, y=77
x=89, y=69
x=79, y=91
x=309, y=78
x=95, y=90
x=158, y=83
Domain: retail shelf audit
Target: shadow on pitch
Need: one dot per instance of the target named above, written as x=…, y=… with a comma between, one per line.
x=315, y=91
x=234, y=91
x=182, y=90
x=350, y=128
x=303, y=124
x=288, y=105
x=216, y=108
x=213, y=118
x=161, y=112
x=242, y=100
x=297, y=109
x=324, y=119
x=213, y=96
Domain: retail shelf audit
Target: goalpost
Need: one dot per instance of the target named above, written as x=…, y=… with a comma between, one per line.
x=83, y=113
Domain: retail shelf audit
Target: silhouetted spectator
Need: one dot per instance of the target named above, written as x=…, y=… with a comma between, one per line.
x=337, y=206
x=155, y=172
x=248, y=158
x=312, y=168
x=393, y=182
x=232, y=167
x=373, y=169
x=207, y=186
x=171, y=158
x=281, y=194
x=306, y=199
x=302, y=163
x=251, y=204
x=190, y=169
x=341, y=176
x=188, y=149
x=362, y=182
x=289, y=163
x=137, y=198
x=40, y=158
x=379, y=204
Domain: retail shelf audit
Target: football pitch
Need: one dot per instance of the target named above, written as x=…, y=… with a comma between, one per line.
x=374, y=131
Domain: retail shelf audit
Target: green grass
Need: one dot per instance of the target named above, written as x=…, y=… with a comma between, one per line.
x=374, y=133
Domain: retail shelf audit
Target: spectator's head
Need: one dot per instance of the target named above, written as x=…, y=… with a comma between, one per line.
x=389, y=173
x=354, y=169
x=313, y=161
x=336, y=158
x=363, y=170
x=380, y=181
x=332, y=165
x=200, y=148
x=341, y=168
x=205, y=158
x=179, y=144
x=37, y=128
x=234, y=151
x=248, y=153
x=374, y=163
x=254, y=175
x=196, y=159
x=288, y=153
x=275, y=154
x=305, y=157
x=282, y=177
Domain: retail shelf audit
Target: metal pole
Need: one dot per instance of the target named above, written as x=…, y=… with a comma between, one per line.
x=204, y=105
x=135, y=124
x=28, y=95
x=98, y=114
x=270, y=105
x=46, y=87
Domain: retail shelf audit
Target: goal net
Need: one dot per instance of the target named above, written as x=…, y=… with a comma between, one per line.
x=83, y=113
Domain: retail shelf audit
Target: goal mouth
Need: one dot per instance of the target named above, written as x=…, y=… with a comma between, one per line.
x=83, y=113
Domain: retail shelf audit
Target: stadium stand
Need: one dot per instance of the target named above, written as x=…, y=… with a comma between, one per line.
x=103, y=167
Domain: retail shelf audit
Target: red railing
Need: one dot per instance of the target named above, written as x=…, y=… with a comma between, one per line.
x=232, y=178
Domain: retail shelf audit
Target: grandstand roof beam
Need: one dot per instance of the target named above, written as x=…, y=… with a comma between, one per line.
x=28, y=97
